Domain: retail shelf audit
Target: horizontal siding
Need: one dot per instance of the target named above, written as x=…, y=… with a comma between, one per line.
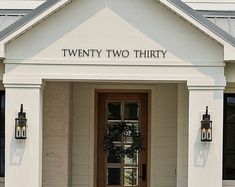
x=81, y=136
x=56, y=135
x=166, y=135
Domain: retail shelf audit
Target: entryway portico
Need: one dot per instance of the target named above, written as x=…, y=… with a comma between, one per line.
x=201, y=154
x=56, y=67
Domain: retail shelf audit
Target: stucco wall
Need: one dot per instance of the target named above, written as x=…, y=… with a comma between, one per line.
x=56, y=121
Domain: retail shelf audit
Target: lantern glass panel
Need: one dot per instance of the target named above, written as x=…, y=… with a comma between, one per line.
x=20, y=128
x=203, y=134
x=209, y=135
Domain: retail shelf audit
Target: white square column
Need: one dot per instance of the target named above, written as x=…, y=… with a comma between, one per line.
x=23, y=158
x=205, y=158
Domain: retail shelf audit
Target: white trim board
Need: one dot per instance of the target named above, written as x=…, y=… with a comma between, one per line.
x=20, y=4
x=212, y=6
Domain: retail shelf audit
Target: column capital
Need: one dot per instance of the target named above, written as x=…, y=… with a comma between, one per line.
x=23, y=82
x=206, y=84
x=206, y=87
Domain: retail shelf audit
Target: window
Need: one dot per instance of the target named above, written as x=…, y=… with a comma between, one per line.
x=229, y=140
x=2, y=133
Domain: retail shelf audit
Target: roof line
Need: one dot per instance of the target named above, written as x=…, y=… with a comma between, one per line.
x=217, y=13
x=27, y=18
x=176, y=3
x=203, y=21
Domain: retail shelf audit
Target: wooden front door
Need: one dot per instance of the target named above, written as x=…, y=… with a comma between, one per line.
x=131, y=110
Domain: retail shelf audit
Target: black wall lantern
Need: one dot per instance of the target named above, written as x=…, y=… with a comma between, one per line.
x=206, y=127
x=21, y=124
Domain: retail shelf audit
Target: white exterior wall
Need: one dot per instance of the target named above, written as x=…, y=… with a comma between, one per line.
x=203, y=157
x=24, y=158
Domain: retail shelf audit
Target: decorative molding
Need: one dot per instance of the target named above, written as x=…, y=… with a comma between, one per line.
x=206, y=87
x=22, y=82
x=115, y=62
x=205, y=83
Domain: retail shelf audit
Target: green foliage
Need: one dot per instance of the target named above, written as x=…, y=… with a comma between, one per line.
x=124, y=130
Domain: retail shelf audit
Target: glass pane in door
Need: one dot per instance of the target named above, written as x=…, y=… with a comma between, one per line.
x=131, y=111
x=130, y=176
x=122, y=120
x=126, y=168
x=114, y=111
x=113, y=176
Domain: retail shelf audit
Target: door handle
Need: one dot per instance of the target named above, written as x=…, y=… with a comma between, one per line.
x=144, y=172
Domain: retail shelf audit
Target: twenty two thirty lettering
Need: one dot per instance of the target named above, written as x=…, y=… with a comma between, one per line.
x=113, y=53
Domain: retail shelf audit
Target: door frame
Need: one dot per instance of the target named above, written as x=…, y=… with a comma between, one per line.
x=96, y=127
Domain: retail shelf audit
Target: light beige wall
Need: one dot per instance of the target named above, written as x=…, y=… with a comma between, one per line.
x=56, y=122
x=81, y=135
x=166, y=135
x=182, y=136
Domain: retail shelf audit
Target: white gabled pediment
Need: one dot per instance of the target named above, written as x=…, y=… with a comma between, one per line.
x=146, y=26
x=105, y=35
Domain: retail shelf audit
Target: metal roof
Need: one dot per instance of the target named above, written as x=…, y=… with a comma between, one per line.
x=8, y=17
x=177, y=3
x=6, y=20
x=28, y=17
x=203, y=21
x=224, y=19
